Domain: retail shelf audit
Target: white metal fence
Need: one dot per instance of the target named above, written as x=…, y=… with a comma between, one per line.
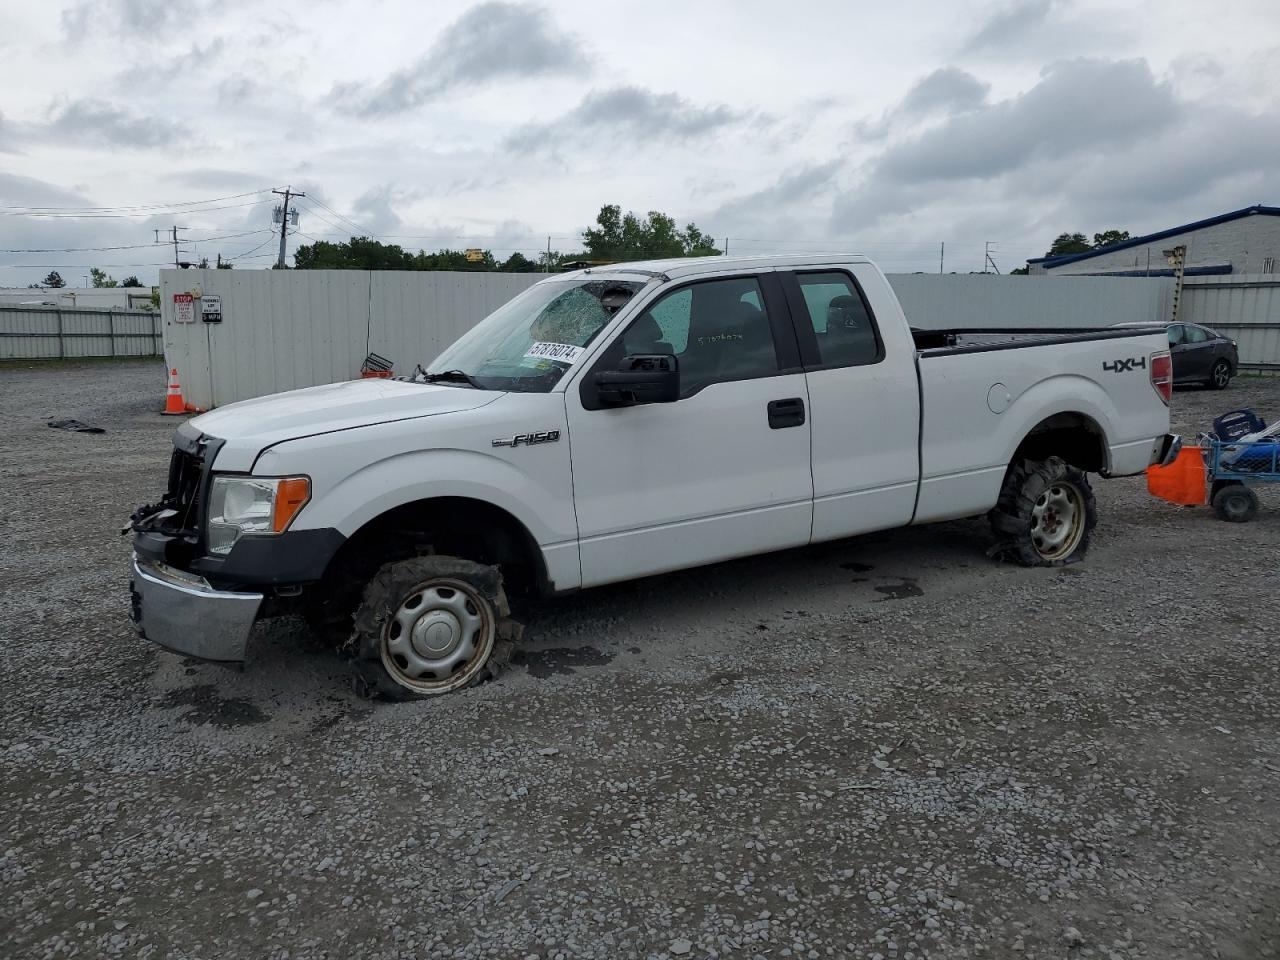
x=287, y=329
x=1245, y=307
x=29, y=333
x=938, y=301
x=280, y=330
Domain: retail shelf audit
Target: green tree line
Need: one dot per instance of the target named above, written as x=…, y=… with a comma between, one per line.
x=616, y=237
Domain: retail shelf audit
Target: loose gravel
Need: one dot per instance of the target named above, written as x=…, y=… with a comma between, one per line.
x=889, y=747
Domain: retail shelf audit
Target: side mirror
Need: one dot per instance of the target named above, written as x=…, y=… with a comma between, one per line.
x=645, y=378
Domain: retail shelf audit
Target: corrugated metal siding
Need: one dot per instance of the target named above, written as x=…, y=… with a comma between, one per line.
x=412, y=321
x=48, y=332
x=287, y=329
x=1245, y=307
x=941, y=301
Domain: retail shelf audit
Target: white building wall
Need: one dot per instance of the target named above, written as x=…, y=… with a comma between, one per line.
x=1245, y=243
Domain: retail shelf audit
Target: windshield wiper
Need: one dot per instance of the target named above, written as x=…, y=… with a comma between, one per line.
x=449, y=376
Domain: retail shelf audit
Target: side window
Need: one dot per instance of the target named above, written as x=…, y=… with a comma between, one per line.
x=672, y=316
x=842, y=324
x=1195, y=335
x=1175, y=335
x=718, y=330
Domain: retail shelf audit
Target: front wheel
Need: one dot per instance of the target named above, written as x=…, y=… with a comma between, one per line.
x=1045, y=513
x=1221, y=375
x=431, y=625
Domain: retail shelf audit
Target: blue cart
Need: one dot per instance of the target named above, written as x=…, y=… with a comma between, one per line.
x=1241, y=452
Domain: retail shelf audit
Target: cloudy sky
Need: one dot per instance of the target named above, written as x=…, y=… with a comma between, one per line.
x=885, y=128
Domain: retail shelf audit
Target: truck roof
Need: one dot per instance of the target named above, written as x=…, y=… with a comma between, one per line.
x=692, y=266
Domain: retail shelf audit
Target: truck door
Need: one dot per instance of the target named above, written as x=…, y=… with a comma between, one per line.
x=721, y=472
x=864, y=399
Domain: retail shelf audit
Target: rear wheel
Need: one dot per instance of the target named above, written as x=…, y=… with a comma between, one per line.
x=1045, y=514
x=431, y=625
x=1221, y=375
x=1235, y=503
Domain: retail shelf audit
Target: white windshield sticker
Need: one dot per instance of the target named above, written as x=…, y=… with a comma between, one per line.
x=564, y=352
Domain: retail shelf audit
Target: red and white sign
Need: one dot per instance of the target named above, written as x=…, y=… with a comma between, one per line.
x=184, y=308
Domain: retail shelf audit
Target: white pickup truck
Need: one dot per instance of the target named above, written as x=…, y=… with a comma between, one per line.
x=623, y=421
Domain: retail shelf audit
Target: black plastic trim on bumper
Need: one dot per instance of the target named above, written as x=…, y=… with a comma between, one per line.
x=294, y=557
x=1167, y=449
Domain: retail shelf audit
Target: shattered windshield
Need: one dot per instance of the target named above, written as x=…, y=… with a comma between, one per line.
x=529, y=343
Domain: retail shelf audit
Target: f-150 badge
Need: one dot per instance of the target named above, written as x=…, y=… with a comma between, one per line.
x=528, y=439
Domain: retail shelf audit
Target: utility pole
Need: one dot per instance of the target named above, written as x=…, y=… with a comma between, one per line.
x=172, y=239
x=284, y=221
x=987, y=261
x=548, y=264
x=726, y=246
x=942, y=256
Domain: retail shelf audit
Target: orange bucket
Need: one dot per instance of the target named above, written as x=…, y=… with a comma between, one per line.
x=1183, y=481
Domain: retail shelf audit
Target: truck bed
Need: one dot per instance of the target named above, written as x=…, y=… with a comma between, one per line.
x=983, y=391
x=931, y=343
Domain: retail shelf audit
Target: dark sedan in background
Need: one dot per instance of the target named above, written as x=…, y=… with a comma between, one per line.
x=1200, y=355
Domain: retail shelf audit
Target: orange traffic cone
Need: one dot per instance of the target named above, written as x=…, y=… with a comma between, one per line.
x=173, y=404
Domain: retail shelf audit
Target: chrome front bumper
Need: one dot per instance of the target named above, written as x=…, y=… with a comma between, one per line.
x=182, y=613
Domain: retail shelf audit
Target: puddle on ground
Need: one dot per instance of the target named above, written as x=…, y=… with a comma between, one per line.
x=208, y=707
x=857, y=567
x=544, y=663
x=897, y=591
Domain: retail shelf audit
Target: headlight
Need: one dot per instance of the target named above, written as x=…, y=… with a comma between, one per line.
x=262, y=505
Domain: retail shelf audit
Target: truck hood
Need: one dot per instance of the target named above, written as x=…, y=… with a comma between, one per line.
x=250, y=426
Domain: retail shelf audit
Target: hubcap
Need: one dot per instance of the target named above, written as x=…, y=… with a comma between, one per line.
x=1057, y=521
x=439, y=637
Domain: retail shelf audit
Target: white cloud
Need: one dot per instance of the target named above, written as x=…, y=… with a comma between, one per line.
x=500, y=123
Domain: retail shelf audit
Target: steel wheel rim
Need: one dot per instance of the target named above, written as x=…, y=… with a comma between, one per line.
x=1221, y=375
x=1057, y=521
x=439, y=637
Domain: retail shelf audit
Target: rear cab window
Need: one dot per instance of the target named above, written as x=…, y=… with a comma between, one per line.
x=833, y=319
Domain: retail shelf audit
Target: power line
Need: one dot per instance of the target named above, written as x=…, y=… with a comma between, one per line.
x=63, y=266
x=128, y=216
x=136, y=206
x=133, y=246
x=346, y=220
x=337, y=228
x=249, y=254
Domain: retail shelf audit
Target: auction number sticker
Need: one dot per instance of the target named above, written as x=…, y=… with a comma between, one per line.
x=564, y=352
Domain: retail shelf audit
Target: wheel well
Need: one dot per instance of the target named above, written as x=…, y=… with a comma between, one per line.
x=451, y=526
x=1075, y=438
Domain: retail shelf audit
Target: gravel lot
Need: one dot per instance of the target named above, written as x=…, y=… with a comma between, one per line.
x=886, y=747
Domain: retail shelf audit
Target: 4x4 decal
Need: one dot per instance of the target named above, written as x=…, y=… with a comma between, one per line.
x=1124, y=366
